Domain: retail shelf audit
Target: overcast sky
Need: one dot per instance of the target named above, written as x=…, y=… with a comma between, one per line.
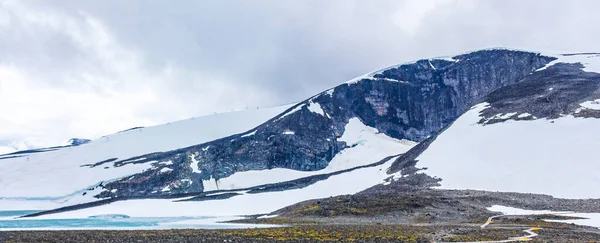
x=72, y=68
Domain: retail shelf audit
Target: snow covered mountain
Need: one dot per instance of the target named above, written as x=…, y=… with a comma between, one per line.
x=522, y=116
x=539, y=135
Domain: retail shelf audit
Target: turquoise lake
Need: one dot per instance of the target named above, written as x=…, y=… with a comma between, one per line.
x=9, y=221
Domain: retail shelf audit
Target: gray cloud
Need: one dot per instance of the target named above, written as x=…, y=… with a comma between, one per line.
x=157, y=61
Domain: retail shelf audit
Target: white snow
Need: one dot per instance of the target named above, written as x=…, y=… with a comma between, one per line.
x=297, y=108
x=394, y=80
x=316, y=108
x=249, y=134
x=288, y=132
x=431, y=65
x=592, y=105
x=247, y=204
x=591, y=62
x=251, y=178
x=590, y=219
x=354, y=132
x=367, y=146
x=166, y=189
x=194, y=164
x=394, y=177
x=330, y=91
x=380, y=71
x=517, y=211
x=506, y=116
x=268, y=216
x=446, y=58
x=58, y=175
x=558, y=159
x=523, y=115
x=7, y=150
x=167, y=162
x=502, y=116
x=165, y=170
x=213, y=185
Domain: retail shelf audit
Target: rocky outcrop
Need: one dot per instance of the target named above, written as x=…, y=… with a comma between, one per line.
x=551, y=93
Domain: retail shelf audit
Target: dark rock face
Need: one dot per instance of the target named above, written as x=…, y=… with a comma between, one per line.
x=551, y=93
x=78, y=141
x=301, y=140
x=411, y=101
x=172, y=179
x=435, y=96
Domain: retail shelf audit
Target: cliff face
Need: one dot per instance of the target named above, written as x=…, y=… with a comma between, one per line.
x=411, y=101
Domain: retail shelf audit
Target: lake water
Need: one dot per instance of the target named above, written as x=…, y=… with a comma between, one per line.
x=9, y=221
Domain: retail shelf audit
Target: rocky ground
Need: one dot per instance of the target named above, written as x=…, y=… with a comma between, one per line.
x=312, y=233
x=376, y=215
x=388, y=205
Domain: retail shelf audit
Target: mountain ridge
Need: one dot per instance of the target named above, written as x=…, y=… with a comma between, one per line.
x=354, y=124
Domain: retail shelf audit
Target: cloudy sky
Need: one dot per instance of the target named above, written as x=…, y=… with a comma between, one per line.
x=71, y=68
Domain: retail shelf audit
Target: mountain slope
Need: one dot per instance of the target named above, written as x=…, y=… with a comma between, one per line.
x=407, y=102
x=341, y=141
x=536, y=136
x=61, y=173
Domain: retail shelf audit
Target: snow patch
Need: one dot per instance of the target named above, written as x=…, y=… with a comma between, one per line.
x=297, y=108
x=166, y=162
x=213, y=185
x=591, y=62
x=165, y=170
x=194, y=164
x=527, y=157
x=517, y=211
x=330, y=91
x=590, y=219
x=249, y=134
x=372, y=74
x=288, y=132
x=431, y=65
x=446, y=58
x=523, y=115
x=316, y=108
x=504, y=116
x=592, y=105
x=268, y=216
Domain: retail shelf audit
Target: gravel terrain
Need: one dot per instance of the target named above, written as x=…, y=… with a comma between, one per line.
x=307, y=233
